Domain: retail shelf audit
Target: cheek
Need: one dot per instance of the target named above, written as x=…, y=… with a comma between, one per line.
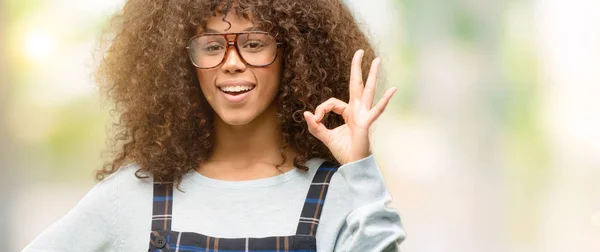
x=204, y=79
x=270, y=79
x=270, y=76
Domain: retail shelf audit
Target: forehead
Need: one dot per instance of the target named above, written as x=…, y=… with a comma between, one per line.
x=231, y=22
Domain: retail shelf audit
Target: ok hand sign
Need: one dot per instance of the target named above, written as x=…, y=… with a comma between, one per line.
x=350, y=142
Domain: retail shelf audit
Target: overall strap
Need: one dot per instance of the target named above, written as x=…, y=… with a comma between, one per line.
x=313, y=205
x=162, y=206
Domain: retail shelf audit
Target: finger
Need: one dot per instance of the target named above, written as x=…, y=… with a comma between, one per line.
x=378, y=109
x=332, y=104
x=356, y=81
x=371, y=84
x=316, y=129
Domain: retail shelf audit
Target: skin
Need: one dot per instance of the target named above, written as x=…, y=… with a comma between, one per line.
x=247, y=135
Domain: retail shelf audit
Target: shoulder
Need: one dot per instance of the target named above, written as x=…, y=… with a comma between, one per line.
x=126, y=170
x=95, y=220
x=126, y=179
x=366, y=168
x=345, y=177
x=123, y=183
x=126, y=175
x=315, y=163
x=360, y=181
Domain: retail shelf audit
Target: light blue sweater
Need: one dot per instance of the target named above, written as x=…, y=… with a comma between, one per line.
x=115, y=215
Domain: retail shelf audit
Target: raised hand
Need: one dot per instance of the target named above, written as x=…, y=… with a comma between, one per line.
x=350, y=142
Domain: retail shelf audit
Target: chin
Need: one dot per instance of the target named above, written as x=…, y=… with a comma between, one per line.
x=236, y=119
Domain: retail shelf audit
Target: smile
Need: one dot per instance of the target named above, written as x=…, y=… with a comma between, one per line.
x=236, y=94
x=236, y=89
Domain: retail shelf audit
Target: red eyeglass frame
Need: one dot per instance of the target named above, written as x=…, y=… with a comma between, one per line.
x=231, y=43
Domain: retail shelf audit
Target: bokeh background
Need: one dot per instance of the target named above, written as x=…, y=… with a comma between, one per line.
x=491, y=144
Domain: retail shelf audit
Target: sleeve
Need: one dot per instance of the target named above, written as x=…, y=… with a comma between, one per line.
x=372, y=225
x=89, y=226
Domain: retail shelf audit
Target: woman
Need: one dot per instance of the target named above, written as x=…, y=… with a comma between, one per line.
x=217, y=144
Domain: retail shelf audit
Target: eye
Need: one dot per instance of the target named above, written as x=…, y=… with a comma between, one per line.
x=256, y=45
x=212, y=48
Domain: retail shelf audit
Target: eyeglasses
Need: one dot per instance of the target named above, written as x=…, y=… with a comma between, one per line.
x=256, y=48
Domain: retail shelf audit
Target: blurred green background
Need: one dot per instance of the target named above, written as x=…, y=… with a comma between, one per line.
x=491, y=144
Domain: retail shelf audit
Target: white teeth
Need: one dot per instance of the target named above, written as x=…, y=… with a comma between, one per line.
x=236, y=88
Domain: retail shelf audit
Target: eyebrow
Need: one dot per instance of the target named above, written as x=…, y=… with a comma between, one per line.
x=251, y=28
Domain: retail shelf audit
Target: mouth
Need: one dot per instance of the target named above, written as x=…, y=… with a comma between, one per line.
x=236, y=94
x=237, y=90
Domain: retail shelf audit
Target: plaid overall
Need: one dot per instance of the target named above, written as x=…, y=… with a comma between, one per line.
x=162, y=238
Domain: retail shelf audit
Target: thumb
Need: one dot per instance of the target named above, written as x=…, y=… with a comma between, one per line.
x=316, y=129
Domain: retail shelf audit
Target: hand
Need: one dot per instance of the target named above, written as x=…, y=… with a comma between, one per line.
x=350, y=142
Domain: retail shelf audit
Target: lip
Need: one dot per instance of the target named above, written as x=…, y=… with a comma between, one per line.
x=236, y=98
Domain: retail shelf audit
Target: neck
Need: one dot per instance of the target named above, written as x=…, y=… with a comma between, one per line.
x=244, y=148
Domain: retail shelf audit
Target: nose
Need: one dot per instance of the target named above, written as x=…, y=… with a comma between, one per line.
x=233, y=61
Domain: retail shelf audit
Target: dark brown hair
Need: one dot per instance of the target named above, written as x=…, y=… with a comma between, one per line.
x=164, y=124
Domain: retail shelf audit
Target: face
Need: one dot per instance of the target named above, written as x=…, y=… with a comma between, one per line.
x=232, y=107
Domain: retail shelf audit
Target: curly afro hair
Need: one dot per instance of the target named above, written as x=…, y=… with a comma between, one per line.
x=164, y=123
